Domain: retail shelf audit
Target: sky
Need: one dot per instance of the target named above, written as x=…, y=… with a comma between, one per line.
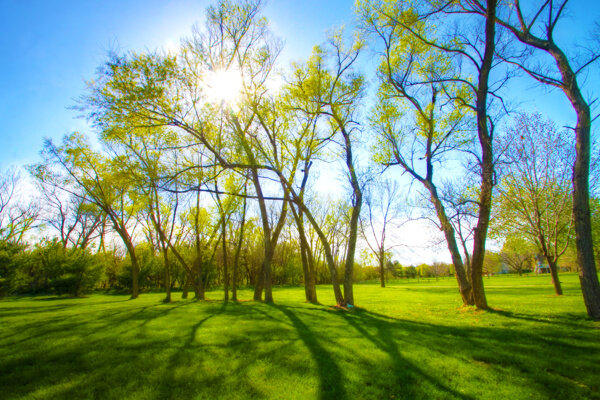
x=50, y=48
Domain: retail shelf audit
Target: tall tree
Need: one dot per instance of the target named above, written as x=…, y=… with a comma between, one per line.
x=535, y=191
x=536, y=30
x=456, y=74
x=102, y=181
x=381, y=201
x=330, y=86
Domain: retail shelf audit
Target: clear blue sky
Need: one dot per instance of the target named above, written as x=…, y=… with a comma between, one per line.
x=49, y=48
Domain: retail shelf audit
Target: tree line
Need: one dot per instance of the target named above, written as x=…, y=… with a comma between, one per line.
x=207, y=179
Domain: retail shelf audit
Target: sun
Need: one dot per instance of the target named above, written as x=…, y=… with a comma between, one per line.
x=224, y=86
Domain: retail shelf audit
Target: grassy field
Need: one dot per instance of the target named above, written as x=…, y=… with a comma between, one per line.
x=409, y=340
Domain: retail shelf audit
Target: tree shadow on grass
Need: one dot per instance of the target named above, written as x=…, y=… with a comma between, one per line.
x=546, y=358
x=566, y=319
x=404, y=370
x=169, y=382
x=329, y=373
x=217, y=350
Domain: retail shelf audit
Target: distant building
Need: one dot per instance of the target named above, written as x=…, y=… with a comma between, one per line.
x=541, y=268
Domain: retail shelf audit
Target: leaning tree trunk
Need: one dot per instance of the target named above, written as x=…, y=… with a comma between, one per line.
x=487, y=160
x=238, y=251
x=135, y=271
x=135, y=268
x=464, y=286
x=554, y=273
x=339, y=297
x=588, y=276
x=305, y=271
x=306, y=258
x=167, y=275
x=357, y=204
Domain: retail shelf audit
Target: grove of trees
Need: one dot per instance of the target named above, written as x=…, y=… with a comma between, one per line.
x=206, y=161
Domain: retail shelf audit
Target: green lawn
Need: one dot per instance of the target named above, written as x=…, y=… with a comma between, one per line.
x=409, y=340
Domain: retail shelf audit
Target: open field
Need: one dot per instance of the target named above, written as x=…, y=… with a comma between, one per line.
x=409, y=340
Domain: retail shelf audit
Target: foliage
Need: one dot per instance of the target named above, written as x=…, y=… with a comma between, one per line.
x=49, y=268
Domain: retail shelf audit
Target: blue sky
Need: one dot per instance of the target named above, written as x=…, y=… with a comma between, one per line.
x=51, y=47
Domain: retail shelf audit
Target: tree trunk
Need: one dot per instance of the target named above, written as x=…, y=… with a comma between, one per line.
x=339, y=297
x=464, y=286
x=225, y=266
x=588, y=275
x=305, y=271
x=382, y=267
x=238, y=251
x=554, y=272
x=199, y=286
x=258, y=286
x=306, y=256
x=350, y=251
x=312, y=273
x=264, y=278
x=487, y=160
x=268, y=286
x=234, y=281
x=356, y=206
x=185, y=287
x=135, y=273
x=167, y=275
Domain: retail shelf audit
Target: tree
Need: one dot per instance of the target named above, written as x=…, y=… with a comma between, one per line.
x=536, y=31
x=15, y=219
x=77, y=221
x=517, y=254
x=535, y=192
x=101, y=180
x=418, y=118
x=382, y=210
x=329, y=86
x=492, y=263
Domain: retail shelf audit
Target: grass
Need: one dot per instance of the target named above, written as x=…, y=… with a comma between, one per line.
x=409, y=340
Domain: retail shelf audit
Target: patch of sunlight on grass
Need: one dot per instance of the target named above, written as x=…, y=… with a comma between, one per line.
x=408, y=340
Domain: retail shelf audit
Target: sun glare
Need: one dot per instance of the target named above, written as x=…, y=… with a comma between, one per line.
x=224, y=86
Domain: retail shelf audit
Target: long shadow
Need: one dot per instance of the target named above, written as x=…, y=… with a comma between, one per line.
x=403, y=369
x=501, y=349
x=561, y=320
x=330, y=375
x=545, y=358
x=166, y=387
x=61, y=323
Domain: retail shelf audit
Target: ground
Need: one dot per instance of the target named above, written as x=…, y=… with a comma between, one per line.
x=409, y=340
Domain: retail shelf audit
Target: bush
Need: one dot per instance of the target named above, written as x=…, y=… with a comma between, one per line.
x=9, y=252
x=50, y=268
x=80, y=273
